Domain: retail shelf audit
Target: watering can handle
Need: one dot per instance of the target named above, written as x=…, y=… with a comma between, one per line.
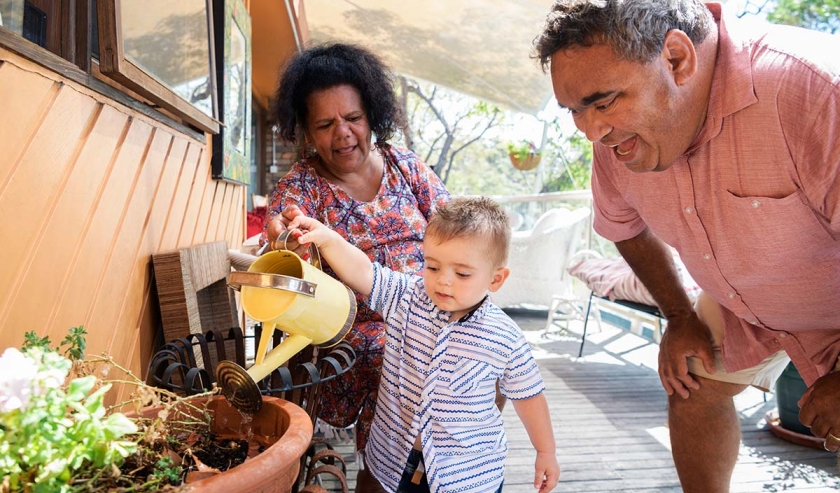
x=314, y=254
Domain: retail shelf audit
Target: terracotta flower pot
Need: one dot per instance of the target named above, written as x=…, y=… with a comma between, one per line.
x=281, y=426
x=529, y=163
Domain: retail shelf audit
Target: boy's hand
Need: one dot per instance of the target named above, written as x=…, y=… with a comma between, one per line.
x=547, y=472
x=311, y=231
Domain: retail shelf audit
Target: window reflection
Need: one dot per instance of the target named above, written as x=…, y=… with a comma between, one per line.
x=237, y=84
x=169, y=41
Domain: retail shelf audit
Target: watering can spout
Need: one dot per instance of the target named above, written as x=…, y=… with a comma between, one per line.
x=284, y=292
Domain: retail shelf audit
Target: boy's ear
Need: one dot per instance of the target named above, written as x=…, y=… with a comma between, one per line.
x=499, y=277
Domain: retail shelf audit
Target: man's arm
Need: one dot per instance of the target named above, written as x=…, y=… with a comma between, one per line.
x=534, y=414
x=686, y=336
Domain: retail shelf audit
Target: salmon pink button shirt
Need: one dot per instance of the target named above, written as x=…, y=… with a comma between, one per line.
x=753, y=206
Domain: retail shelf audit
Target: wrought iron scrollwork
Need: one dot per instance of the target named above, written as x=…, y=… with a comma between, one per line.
x=176, y=366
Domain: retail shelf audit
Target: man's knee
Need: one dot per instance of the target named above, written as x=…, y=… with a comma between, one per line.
x=712, y=393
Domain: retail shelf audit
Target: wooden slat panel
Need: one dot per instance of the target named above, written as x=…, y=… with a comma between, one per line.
x=225, y=213
x=105, y=310
x=139, y=276
x=75, y=304
x=179, y=202
x=199, y=188
x=201, y=224
x=216, y=211
x=29, y=195
x=49, y=271
x=162, y=205
x=232, y=233
x=179, y=276
x=25, y=97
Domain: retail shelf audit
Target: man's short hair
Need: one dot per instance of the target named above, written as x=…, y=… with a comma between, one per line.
x=635, y=29
x=474, y=217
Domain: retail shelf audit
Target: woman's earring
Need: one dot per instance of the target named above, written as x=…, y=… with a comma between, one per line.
x=308, y=150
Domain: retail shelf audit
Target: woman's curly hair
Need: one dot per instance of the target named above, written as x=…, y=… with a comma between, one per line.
x=329, y=65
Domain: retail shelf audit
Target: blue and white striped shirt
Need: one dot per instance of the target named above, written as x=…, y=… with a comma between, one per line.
x=439, y=380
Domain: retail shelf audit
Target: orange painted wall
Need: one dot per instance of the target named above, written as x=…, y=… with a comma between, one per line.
x=89, y=190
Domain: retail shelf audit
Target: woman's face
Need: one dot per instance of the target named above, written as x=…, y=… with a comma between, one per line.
x=338, y=128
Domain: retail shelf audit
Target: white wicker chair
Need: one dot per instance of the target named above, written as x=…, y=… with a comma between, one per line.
x=538, y=259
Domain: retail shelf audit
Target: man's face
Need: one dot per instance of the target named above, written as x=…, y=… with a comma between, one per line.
x=636, y=109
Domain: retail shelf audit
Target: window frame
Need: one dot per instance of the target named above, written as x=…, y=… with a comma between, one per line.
x=114, y=64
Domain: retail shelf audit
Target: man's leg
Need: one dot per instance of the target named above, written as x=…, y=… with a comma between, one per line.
x=705, y=428
x=705, y=436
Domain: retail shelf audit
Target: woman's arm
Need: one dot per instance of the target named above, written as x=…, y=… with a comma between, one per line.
x=350, y=264
x=534, y=414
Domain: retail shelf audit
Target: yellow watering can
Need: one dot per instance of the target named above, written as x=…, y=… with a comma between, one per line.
x=283, y=291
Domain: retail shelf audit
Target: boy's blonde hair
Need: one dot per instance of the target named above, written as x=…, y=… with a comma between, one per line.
x=476, y=217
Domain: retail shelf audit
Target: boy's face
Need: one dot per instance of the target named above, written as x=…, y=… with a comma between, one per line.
x=459, y=272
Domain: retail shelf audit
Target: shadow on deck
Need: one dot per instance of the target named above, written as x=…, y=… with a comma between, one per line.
x=609, y=414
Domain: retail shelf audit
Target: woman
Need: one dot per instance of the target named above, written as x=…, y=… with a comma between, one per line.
x=377, y=196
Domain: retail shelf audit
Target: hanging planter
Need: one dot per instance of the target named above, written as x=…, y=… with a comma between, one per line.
x=523, y=155
x=525, y=164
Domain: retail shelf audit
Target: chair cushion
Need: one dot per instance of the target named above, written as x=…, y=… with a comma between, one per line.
x=612, y=278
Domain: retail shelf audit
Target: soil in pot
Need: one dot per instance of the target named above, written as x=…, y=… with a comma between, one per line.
x=235, y=453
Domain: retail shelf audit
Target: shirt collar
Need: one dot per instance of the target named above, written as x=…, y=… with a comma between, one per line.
x=732, y=85
x=478, y=311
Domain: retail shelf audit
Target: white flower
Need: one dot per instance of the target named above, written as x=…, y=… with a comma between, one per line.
x=17, y=372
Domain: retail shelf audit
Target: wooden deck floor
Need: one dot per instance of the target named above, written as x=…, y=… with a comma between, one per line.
x=609, y=415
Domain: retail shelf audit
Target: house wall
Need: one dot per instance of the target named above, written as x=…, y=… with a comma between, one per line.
x=89, y=190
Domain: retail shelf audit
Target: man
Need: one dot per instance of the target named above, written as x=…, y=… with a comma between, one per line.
x=723, y=142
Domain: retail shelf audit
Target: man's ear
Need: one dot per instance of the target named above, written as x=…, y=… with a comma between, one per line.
x=499, y=277
x=680, y=56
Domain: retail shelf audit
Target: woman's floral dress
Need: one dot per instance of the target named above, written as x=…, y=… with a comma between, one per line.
x=390, y=230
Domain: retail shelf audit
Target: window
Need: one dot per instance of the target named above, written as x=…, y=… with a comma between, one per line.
x=160, y=50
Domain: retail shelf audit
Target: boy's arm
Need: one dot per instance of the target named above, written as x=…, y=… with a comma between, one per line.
x=534, y=414
x=350, y=264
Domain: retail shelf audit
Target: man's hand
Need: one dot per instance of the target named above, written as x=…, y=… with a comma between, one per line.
x=819, y=409
x=546, y=472
x=684, y=337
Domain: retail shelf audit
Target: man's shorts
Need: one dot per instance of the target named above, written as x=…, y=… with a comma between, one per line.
x=762, y=376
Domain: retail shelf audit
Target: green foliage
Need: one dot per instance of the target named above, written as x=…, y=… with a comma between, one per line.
x=52, y=431
x=522, y=149
x=166, y=471
x=75, y=339
x=820, y=15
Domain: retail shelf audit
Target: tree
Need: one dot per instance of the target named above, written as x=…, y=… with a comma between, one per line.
x=569, y=164
x=443, y=124
x=820, y=15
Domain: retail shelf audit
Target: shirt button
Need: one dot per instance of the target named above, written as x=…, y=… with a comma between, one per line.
x=755, y=204
x=689, y=210
x=782, y=335
x=707, y=256
x=731, y=296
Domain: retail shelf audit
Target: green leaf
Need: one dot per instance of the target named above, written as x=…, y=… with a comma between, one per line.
x=80, y=387
x=118, y=425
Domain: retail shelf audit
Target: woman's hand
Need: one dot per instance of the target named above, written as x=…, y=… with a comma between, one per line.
x=281, y=223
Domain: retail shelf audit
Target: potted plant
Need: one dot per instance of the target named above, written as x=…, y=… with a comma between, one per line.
x=57, y=434
x=523, y=155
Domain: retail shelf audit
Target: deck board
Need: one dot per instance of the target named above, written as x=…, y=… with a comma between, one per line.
x=609, y=411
